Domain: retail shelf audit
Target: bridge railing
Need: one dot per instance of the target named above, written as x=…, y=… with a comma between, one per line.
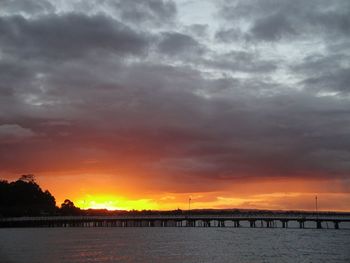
x=184, y=217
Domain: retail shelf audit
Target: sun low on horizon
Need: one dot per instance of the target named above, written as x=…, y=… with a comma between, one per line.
x=263, y=194
x=111, y=203
x=178, y=104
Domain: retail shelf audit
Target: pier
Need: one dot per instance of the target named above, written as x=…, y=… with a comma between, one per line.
x=236, y=221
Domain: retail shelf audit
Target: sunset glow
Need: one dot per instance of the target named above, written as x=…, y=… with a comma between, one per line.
x=174, y=131
x=142, y=104
x=114, y=203
x=298, y=194
x=275, y=201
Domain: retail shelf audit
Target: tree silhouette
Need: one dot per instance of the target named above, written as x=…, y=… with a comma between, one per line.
x=68, y=208
x=24, y=197
x=28, y=178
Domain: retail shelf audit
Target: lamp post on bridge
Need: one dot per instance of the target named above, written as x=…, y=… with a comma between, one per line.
x=189, y=222
x=316, y=207
x=318, y=222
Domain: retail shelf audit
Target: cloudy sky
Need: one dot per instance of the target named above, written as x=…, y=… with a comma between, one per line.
x=143, y=103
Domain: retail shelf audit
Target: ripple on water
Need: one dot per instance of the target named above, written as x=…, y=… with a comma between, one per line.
x=105, y=245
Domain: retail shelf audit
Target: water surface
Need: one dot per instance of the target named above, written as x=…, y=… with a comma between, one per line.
x=240, y=245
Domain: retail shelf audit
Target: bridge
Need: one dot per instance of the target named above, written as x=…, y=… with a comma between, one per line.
x=233, y=220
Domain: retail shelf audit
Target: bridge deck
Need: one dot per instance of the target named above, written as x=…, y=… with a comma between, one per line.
x=268, y=221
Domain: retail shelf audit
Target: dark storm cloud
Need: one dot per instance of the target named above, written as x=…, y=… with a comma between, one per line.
x=325, y=73
x=76, y=87
x=178, y=44
x=271, y=21
x=272, y=28
x=11, y=74
x=158, y=114
x=338, y=81
x=237, y=61
x=67, y=36
x=154, y=11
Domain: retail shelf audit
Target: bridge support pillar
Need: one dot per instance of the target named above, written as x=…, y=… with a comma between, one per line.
x=285, y=224
x=191, y=223
x=318, y=224
x=252, y=223
x=336, y=224
x=237, y=224
x=221, y=223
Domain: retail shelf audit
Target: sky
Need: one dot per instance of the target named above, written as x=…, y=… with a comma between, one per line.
x=144, y=104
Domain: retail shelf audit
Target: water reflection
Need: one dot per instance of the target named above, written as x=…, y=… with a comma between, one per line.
x=107, y=245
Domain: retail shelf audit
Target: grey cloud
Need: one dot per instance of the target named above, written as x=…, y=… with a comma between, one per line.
x=28, y=7
x=325, y=72
x=178, y=44
x=272, y=28
x=10, y=133
x=199, y=30
x=229, y=35
x=338, y=81
x=271, y=21
x=137, y=12
x=12, y=75
x=242, y=61
x=140, y=11
x=236, y=134
x=67, y=36
x=153, y=108
x=336, y=21
x=98, y=102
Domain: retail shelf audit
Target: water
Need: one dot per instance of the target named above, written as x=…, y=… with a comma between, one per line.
x=239, y=245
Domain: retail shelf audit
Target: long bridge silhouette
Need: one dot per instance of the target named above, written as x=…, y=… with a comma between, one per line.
x=234, y=220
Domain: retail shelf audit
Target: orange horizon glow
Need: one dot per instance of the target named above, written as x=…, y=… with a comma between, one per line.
x=275, y=195
x=263, y=202
x=103, y=191
x=111, y=202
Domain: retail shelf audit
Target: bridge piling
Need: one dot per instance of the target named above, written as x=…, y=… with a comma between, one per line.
x=252, y=223
x=336, y=225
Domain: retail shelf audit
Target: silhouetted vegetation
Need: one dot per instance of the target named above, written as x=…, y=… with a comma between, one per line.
x=68, y=208
x=24, y=197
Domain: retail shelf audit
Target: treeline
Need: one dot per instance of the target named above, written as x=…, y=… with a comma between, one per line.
x=24, y=197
